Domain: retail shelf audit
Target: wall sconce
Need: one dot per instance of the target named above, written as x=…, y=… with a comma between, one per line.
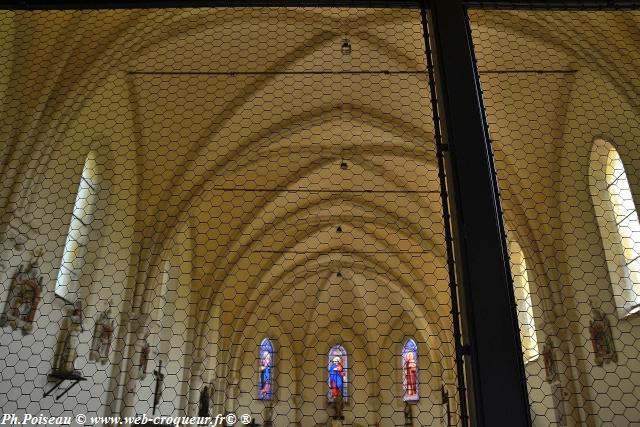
x=16, y=240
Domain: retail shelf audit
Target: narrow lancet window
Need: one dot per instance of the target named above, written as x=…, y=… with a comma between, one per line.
x=75, y=248
x=524, y=304
x=410, y=371
x=337, y=371
x=618, y=222
x=265, y=369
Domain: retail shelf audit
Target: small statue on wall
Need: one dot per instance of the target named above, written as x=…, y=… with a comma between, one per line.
x=601, y=337
x=268, y=416
x=550, y=364
x=67, y=349
x=146, y=352
x=24, y=297
x=102, y=337
x=203, y=407
x=408, y=414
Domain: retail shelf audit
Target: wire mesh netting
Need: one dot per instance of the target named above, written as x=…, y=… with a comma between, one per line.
x=229, y=212
x=561, y=92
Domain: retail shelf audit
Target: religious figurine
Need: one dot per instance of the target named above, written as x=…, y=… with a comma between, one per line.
x=408, y=415
x=23, y=297
x=601, y=337
x=550, y=366
x=145, y=353
x=203, y=408
x=67, y=352
x=102, y=337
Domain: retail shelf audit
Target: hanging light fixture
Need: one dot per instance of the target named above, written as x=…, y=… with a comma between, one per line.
x=343, y=165
x=339, y=229
x=346, y=47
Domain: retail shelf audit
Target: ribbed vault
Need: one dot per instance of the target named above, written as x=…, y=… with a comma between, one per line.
x=282, y=187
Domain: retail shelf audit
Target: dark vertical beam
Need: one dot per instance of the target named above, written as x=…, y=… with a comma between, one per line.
x=493, y=355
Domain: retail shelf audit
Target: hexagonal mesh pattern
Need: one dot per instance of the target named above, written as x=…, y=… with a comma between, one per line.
x=222, y=211
x=561, y=92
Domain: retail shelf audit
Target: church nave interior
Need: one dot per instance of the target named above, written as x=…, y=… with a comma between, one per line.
x=239, y=210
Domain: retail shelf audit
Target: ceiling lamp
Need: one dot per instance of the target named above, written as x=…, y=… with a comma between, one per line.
x=346, y=47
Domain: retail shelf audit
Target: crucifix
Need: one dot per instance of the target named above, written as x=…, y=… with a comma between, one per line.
x=159, y=377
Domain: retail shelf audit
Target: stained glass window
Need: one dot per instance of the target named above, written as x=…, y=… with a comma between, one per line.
x=337, y=373
x=410, y=370
x=265, y=368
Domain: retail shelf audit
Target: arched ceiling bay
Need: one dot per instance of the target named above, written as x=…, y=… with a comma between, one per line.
x=269, y=150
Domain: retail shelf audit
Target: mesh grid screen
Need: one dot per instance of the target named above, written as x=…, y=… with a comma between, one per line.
x=222, y=211
x=561, y=91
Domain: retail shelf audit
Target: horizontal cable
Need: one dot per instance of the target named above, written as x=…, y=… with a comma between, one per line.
x=275, y=73
x=304, y=190
x=553, y=4
x=266, y=251
x=339, y=72
x=528, y=71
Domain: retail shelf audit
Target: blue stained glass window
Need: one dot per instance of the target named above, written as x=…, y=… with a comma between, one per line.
x=337, y=373
x=410, y=381
x=265, y=368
